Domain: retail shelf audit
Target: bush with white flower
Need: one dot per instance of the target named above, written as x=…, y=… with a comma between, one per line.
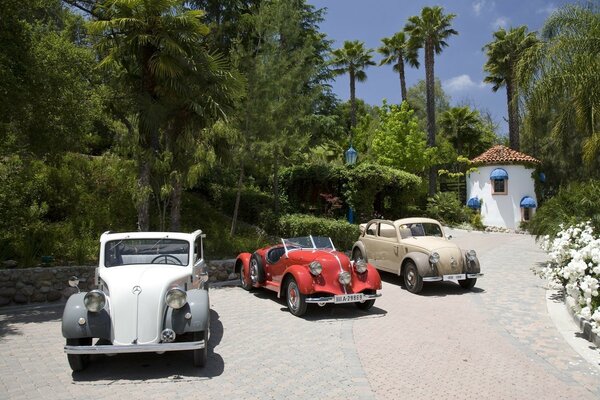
x=575, y=265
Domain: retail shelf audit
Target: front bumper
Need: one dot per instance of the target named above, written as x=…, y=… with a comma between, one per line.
x=332, y=299
x=451, y=277
x=135, y=348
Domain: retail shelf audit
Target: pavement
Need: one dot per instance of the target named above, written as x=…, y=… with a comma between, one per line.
x=508, y=338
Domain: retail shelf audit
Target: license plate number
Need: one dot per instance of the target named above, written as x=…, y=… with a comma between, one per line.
x=349, y=298
x=455, y=277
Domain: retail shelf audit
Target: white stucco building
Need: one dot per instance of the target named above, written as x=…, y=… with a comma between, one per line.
x=503, y=187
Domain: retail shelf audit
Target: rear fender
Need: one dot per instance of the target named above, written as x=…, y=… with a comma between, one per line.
x=198, y=306
x=421, y=261
x=97, y=324
x=302, y=276
x=361, y=246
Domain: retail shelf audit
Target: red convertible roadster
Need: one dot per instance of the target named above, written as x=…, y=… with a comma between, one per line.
x=309, y=270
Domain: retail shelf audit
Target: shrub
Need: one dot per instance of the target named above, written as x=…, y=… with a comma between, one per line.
x=253, y=202
x=342, y=233
x=447, y=208
x=476, y=222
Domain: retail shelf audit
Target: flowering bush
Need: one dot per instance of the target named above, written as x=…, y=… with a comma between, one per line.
x=575, y=265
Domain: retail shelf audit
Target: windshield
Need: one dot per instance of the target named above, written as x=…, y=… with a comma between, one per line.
x=423, y=229
x=146, y=251
x=308, y=242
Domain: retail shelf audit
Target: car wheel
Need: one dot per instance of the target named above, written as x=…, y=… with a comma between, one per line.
x=257, y=270
x=201, y=355
x=357, y=255
x=78, y=362
x=296, y=301
x=412, y=279
x=244, y=281
x=468, y=283
x=366, y=305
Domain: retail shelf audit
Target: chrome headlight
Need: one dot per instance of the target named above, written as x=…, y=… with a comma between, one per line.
x=94, y=300
x=434, y=258
x=344, y=277
x=315, y=268
x=176, y=298
x=471, y=255
x=360, y=266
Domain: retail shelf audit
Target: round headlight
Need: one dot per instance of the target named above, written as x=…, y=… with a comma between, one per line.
x=471, y=255
x=94, y=300
x=360, y=266
x=315, y=268
x=344, y=277
x=434, y=258
x=176, y=298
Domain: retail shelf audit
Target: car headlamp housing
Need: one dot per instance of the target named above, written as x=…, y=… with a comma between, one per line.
x=315, y=268
x=344, y=277
x=360, y=266
x=176, y=298
x=471, y=255
x=94, y=300
x=434, y=258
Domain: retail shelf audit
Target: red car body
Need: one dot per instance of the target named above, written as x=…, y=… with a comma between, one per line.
x=289, y=269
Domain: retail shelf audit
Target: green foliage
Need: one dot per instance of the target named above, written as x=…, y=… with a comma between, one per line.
x=575, y=203
x=467, y=132
x=342, y=233
x=446, y=207
x=475, y=221
x=254, y=203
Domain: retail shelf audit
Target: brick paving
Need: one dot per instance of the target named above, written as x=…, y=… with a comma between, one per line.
x=495, y=342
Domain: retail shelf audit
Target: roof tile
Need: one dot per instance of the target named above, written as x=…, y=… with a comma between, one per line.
x=500, y=154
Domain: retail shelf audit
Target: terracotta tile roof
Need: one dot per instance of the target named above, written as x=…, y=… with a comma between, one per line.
x=499, y=154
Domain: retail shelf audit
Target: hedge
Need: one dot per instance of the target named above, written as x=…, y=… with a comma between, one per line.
x=342, y=233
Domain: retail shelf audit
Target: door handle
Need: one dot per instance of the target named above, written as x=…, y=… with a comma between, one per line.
x=396, y=250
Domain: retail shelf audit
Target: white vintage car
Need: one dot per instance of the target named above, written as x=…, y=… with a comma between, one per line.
x=151, y=296
x=418, y=250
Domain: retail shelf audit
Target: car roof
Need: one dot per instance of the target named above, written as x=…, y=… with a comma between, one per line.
x=106, y=236
x=415, y=220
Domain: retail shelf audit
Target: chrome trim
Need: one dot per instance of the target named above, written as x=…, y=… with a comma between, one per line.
x=137, y=348
x=432, y=278
x=331, y=299
x=474, y=275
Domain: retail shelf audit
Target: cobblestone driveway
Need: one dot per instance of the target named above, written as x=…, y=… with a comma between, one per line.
x=495, y=342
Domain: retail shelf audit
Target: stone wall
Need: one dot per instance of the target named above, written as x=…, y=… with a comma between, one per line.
x=47, y=284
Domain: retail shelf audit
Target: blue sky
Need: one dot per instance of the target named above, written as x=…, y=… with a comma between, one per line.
x=459, y=67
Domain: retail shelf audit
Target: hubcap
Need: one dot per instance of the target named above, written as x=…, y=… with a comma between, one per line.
x=253, y=271
x=293, y=298
x=411, y=277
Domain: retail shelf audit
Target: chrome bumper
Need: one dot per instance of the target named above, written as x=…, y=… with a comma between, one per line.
x=331, y=299
x=135, y=348
x=458, y=277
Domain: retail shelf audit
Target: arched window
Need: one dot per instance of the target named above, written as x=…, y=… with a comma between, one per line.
x=499, y=180
x=527, y=206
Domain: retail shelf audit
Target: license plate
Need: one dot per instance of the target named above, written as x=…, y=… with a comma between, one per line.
x=349, y=298
x=455, y=277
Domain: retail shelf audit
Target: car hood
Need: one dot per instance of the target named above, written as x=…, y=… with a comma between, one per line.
x=327, y=258
x=430, y=243
x=451, y=257
x=136, y=296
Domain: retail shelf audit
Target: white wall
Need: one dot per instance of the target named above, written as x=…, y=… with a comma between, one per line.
x=501, y=209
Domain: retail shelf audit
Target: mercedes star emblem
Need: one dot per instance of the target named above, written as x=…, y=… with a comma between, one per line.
x=136, y=290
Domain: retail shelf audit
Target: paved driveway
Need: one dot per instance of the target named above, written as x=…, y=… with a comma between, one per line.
x=495, y=342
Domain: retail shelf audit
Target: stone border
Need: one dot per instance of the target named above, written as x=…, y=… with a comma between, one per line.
x=584, y=325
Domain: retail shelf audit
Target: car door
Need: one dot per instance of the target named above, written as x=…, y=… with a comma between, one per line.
x=371, y=242
x=389, y=249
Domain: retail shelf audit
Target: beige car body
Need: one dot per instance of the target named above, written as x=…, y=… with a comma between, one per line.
x=391, y=245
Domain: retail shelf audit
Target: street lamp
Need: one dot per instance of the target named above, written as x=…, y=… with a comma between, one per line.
x=351, y=155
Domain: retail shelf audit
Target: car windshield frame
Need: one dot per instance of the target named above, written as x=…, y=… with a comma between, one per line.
x=307, y=243
x=145, y=251
x=426, y=229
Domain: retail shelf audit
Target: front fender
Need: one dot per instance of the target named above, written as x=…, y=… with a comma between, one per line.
x=361, y=246
x=198, y=306
x=97, y=324
x=370, y=280
x=242, y=263
x=472, y=266
x=421, y=260
x=302, y=276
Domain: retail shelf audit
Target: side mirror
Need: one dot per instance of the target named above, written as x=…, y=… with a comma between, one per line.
x=448, y=237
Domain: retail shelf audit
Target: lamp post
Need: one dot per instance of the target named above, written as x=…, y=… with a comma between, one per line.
x=351, y=155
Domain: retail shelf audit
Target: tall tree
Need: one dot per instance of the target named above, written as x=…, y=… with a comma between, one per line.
x=503, y=56
x=397, y=52
x=464, y=128
x=430, y=31
x=352, y=59
x=151, y=44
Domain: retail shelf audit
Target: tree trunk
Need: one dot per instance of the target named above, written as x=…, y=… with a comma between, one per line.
x=175, y=220
x=276, y=185
x=237, y=200
x=430, y=82
x=402, y=78
x=352, y=99
x=513, y=114
x=143, y=201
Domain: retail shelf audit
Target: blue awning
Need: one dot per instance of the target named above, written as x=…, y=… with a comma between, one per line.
x=474, y=203
x=499, y=174
x=528, y=202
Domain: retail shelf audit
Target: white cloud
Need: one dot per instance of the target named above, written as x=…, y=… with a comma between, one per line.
x=500, y=22
x=461, y=83
x=482, y=5
x=549, y=9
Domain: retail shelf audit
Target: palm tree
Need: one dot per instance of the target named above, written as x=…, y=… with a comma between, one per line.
x=503, y=55
x=150, y=43
x=395, y=50
x=462, y=126
x=353, y=59
x=430, y=31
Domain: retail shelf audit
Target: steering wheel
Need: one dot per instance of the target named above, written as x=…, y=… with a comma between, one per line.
x=166, y=257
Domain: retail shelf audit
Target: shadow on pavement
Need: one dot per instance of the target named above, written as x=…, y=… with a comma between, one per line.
x=176, y=366
x=438, y=289
x=27, y=315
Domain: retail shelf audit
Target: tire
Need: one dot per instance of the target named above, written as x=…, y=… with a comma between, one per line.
x=201, y=355
x=468, y=283
x=78, y=362
x=357, y=254
x=412, y=279
x=367, y=304
x=296, y=301
x=246, y=284
x=257, y=269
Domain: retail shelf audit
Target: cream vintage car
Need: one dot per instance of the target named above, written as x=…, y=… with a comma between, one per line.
x=418, y=250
